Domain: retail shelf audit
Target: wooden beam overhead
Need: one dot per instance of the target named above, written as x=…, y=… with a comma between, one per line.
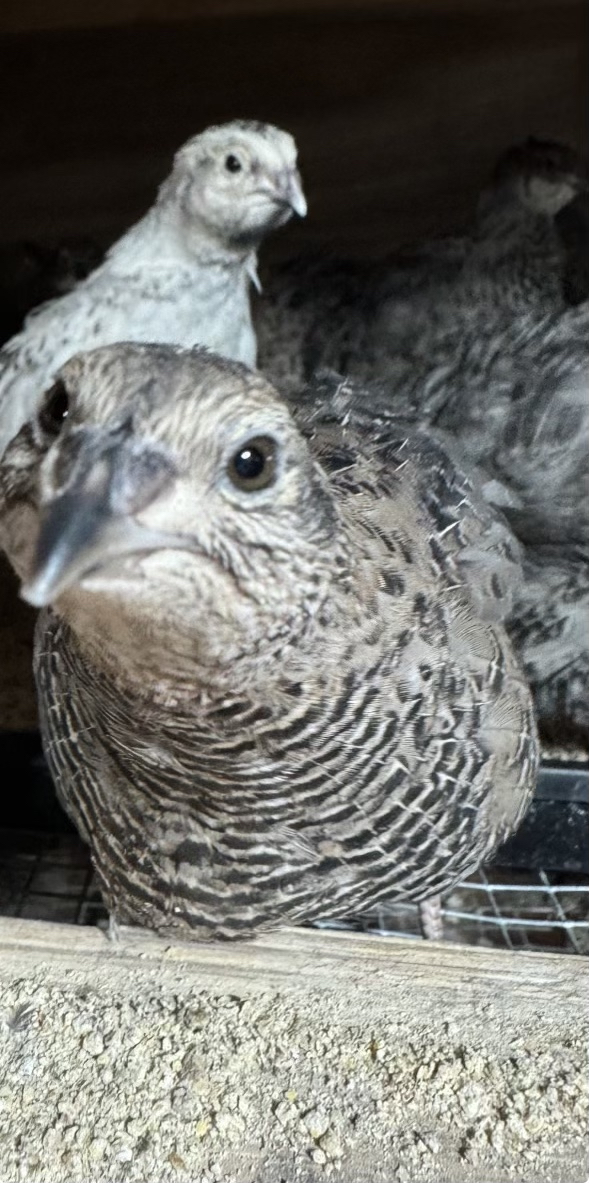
x=22, y=16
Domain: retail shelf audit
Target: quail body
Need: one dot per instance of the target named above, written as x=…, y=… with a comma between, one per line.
x=181, y=275
x=273, y=681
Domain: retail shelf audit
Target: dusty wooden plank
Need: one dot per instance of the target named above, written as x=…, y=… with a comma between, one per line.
x=280, y=1059
x=365, y=968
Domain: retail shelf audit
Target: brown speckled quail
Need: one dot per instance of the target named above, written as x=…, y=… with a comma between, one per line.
x=272, y=680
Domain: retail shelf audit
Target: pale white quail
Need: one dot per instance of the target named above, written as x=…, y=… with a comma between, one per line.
x=181, y=275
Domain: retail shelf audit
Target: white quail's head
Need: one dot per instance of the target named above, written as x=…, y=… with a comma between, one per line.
x=544, y=174
x=238, y=181
x=167, y=498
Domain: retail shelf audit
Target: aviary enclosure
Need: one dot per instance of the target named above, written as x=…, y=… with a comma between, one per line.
x=355, y=1051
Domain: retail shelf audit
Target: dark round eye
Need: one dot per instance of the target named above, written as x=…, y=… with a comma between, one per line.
x=254, y=465
x=233, y=163
x=54, y=409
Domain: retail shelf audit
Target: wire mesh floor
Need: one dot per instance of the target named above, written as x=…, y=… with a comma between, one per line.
x=49, y=877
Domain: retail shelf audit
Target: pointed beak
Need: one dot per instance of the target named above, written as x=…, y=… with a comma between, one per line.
x=92, y=521
x=291, y=192
x=580, y=184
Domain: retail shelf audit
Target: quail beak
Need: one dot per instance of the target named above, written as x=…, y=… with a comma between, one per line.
x=290, y=191
x=88, y=525
x=580, y=186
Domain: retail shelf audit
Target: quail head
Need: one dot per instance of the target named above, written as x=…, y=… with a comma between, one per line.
x=235, y=182
x=542, y=175
x=270, y=688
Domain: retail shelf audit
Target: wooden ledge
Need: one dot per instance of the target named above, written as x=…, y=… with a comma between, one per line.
x=392, y=1044
x=369, y=970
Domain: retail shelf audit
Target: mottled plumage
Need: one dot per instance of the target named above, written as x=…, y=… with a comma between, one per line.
x=549, y=628
x=181, y=275
x=517, y=245
x=362, y=317
x=480, y=345
x=272, y=682
x=572, y=224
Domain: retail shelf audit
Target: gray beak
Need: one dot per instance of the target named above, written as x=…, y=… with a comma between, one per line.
x=291, y=190
x=91, y=521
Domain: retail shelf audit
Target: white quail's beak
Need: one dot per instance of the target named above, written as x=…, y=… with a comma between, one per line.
x=289, y=189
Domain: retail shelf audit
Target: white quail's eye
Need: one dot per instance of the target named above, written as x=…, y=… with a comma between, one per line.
x=54, y=410
x=253, y=466
x=233, y=163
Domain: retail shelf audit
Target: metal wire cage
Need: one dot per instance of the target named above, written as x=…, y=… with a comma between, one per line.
x=501, y=908
x=534, y=897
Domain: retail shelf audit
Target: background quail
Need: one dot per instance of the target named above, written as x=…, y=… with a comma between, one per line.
x=362, y=317
x=181, y=274
x=476, y=339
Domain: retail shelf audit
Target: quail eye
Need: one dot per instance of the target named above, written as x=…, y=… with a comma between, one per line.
x=233, y=163
x=54, y=410
x=253, y=466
